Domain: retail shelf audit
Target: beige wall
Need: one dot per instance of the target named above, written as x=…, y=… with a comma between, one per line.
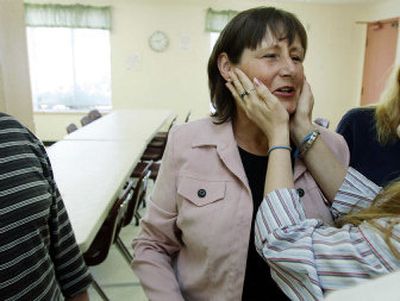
x=2, y=100
x=15, y=93
x=177, y=79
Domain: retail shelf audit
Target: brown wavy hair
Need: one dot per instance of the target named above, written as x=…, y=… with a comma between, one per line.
x=387, y=112
x=385, y=205
x=247, y=30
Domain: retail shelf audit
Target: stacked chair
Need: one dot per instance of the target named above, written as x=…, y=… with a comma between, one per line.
x=94, y=114
x=90, y=117
x=108, y=234
x=150, y=160
x=85, y=120
x=71, y=128
x=121, y=214
x=155, y=149
x=126, y=206
x=139, y=194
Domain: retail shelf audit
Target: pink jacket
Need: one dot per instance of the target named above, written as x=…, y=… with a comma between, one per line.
x=195, y=234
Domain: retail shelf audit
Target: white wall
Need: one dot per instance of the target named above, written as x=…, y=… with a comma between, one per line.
x=15, y=93
x=177, y=78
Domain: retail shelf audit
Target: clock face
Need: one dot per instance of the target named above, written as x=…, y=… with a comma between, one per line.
x=158, y=41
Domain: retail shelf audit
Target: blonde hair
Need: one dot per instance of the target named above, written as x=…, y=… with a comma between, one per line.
x=387, y=113
x=385, y=205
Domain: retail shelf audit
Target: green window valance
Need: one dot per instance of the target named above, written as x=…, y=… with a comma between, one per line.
x=216, y=20
x=74, y=16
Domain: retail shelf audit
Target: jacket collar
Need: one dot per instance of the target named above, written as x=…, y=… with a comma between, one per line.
x=221, y=136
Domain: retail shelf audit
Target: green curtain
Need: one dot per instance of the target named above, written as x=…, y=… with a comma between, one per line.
x=74, y=16
x=216, y=20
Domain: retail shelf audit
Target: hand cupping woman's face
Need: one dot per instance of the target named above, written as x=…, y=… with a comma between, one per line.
x=279, y=66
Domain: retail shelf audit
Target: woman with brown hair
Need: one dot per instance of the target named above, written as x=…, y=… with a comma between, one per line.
x=373, y=135
x=309, y=258
x=197, y=237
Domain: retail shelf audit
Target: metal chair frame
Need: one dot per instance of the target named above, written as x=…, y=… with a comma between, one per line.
x=142, y=172
x=109, y=234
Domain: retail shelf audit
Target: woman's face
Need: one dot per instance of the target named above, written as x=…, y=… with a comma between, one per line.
x=279, y=66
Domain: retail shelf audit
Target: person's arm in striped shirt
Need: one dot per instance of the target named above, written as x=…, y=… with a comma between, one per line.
x=307, y=258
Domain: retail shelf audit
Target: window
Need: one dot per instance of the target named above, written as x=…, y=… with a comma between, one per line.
x=70, y=68
x=214, y=23
x=70, y=65
x=213, y=39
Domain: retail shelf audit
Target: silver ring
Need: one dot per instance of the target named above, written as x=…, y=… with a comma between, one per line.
x=243, y=94
x=251, y=90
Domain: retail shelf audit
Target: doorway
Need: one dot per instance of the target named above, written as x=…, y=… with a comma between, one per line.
x=380, y=55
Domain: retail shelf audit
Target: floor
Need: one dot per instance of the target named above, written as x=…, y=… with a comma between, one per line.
x=115, y=276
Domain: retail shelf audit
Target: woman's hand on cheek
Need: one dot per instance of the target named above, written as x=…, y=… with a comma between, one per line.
x=260, y=106
x=300, y=121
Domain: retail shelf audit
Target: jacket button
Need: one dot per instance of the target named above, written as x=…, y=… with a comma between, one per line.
x=300, y=192
x=201, y=193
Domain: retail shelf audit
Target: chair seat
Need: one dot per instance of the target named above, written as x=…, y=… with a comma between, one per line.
x=155, y=148
x=152, y=154
x=85, y=120
x=161, y=135
x=71, y=128
x=157, y=142
x=94, y=114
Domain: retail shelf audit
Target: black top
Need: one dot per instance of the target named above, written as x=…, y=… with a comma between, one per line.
x=258, y=284
x=380, y=163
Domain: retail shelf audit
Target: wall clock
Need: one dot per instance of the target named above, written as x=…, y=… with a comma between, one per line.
x=158, y=41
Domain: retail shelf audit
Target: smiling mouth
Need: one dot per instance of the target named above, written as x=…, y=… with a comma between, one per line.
x=285, y=90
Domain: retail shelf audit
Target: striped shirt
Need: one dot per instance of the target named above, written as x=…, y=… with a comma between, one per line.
x=309, y=259
x=39, y=257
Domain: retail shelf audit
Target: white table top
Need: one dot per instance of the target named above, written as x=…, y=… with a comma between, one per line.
x=137, y=125
x=90, y=176
x=92, y=164
x=384, y=288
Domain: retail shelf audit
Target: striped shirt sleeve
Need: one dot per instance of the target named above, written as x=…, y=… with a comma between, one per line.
x=357, y=192
x=308, y=259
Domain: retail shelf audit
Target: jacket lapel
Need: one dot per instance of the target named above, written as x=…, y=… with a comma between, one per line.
x=221, y=136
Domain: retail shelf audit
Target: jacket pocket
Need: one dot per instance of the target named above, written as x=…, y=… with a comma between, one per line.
x=201, y=192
